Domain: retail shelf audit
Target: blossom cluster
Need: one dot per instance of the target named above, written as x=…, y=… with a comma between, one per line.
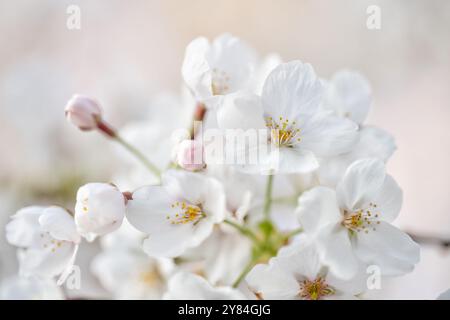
x=301, y=209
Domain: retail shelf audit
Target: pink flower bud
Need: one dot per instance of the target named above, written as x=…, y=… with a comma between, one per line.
x=83, y=112
x=190, y=155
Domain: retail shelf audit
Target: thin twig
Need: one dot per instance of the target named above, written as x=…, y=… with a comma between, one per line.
x=424, y=239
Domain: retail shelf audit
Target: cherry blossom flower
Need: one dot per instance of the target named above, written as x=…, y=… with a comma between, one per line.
x=298, y=130
x=125, y=270
x=298, y=273
x=100, y=209
x=373, y=143
x=201, y=227
x=184, y=285
x=129, y=274
x=178, y=215
x=48, y=240
x=349, y=95
x=218, y=68
x=352, y=225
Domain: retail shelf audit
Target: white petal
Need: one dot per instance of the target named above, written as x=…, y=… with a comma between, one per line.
x=389, y=199
x=389, y=248
x=189, y=286
x=294, y=160
x=196, y=70
x=240, y=110
x=265, y=163
x=214, y=203
x=272, y=282
x=149, y=208
x=374, y=143
x=24, y=229
x=100, y=209
x=300, y=259
x=185, y=185
x=151, y=212
x=224, y=254
x=44, y=262
x=351, y=287
x=327, y=135
x=318, y=209
x=336, y=252
x=361, y=183
x=59, y=223
x=198, y=190
x=291, y=89
x=232, y=62
x=349, y=95
x=172, y=243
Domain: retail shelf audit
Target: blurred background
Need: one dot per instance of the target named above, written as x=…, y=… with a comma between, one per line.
x=127, y=52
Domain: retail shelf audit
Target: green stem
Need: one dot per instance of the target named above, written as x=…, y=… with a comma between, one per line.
x=286, y=200
x=244, y=272
x=243, y=230
x=268, y=197
x=135, y=152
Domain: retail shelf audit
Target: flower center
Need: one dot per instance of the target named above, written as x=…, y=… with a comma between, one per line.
x=362, y=220
x=283, y=132
x=85, y=203
x=185, y=213
x=150, y=277
x=219, y=82
x=314, y=290
x=47, y=242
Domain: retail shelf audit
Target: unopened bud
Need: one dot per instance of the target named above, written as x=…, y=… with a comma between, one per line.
x=100, y=209
x=190, y=155
x=83, y=112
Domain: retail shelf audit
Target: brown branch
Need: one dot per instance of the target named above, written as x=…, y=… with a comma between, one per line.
x=430, y=240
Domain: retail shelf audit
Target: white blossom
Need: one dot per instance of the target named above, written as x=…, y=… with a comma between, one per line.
x=292, y=201
x=100, y=209
x=298, y=130
x=47, y=239
x=185, y=285
x=298, y=273
x=218, y=68
x=349, y=95
x=129, y=274
x=373, y=142
x=352, y=224
x=178, y=215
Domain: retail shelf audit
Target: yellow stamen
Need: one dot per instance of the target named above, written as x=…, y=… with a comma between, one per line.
x=189, y=213
x=283, y=133
x=316, y=289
